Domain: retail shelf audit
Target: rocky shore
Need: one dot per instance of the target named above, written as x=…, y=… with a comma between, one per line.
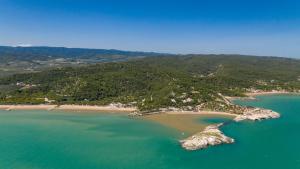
x=212, y=135
x=257, y=114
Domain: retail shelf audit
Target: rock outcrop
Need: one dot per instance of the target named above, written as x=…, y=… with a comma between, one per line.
x=134, y=114
x=211, y=136
x=257, y=114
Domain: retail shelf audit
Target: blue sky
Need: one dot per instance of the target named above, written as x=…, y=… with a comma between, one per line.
x=259, y=27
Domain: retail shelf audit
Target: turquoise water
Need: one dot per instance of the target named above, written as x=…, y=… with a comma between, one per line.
x=52, y=140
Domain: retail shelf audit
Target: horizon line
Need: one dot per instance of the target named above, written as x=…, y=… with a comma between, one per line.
x=154, y=52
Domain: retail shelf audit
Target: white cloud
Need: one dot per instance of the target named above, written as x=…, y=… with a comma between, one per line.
x=24, y=45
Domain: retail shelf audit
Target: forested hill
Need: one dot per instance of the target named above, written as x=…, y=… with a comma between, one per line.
x=33, y=59
x=151, y=83
x=46, y=53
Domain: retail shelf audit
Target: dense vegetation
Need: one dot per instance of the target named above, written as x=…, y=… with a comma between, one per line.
x=33, y=59
x=150, y=83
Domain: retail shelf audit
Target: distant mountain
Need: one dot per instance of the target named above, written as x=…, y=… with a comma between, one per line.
x=48, y=53
x=31, y=59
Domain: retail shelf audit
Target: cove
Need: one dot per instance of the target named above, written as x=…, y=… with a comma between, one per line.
x=61, y=140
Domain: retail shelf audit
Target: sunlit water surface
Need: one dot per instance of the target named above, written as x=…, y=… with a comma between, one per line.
x=57, y=140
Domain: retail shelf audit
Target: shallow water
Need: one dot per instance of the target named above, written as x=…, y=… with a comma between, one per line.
x=52, y=140
x=187, y=124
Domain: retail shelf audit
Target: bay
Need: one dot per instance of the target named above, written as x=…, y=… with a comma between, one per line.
x=61, y=140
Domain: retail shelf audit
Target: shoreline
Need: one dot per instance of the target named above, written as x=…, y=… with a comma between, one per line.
x=111, y=109
x=201, y=135
x=252, y=95
x=184, y=121
x=200, y=113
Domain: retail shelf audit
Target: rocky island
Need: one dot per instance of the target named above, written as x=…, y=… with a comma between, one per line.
x=212, y=135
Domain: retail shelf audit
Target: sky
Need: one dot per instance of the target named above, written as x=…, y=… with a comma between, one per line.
x=256, y=27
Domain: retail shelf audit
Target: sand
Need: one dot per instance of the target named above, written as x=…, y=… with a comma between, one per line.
x=267, y=93
x=68, y=108
x=252, y=96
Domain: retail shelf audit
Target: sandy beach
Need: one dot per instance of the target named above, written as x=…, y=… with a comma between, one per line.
x=268, y=93
x=110, y=108
x=69, y=108
x=252, y=95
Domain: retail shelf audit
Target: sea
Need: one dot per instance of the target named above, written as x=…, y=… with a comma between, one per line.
x=64, y=140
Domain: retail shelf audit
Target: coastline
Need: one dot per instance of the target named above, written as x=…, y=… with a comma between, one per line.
x=113, y=108
x=252, y=95
x=109, y=109
x=183, y=121
x=200, y=113
x=211, y=135
x=200, y=135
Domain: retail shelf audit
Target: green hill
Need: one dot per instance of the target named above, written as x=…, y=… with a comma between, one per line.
x=33, y=59
x=151, y=83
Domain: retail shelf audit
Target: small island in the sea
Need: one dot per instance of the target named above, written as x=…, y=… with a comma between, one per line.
x=146, y=84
